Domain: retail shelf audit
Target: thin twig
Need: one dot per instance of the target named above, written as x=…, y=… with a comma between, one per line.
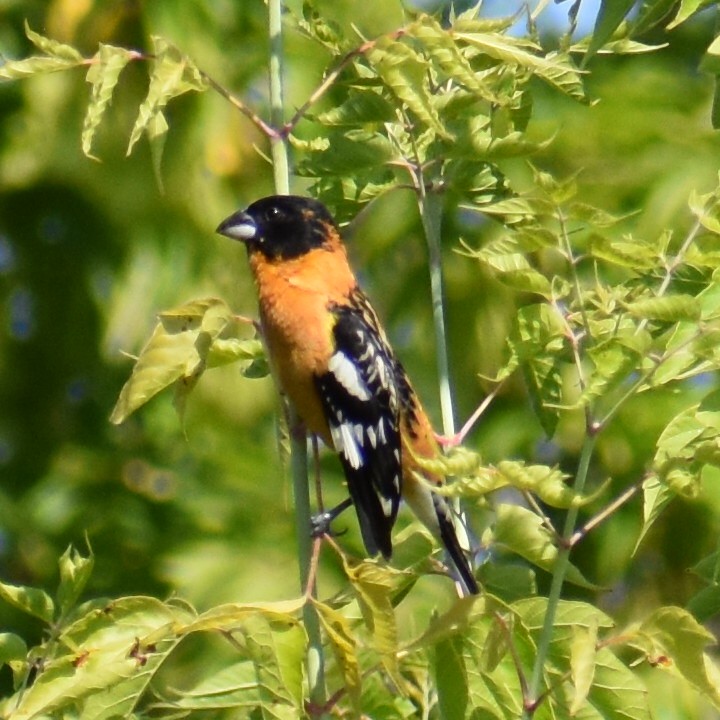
x=594, y=521
x=535, y=507
x=237, y=103
x=310, y=588
x=459, y=437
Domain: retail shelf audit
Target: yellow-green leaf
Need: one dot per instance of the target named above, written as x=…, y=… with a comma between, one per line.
x=668, y=308
x=75, y=570
x=12, y=648
x=103, y=75
x=341, y=638
x=35, y=65
x=172, y=74
x=523, y=532
x=583, y=650
x=440, y=45
x=451, y=678
x=31, y=600
x=548, y=483
x=555, y=68
x=404, y=71
x=675, y=641
x=373, y=585
x=103, y=662
x=179, y=350
x=53, y=48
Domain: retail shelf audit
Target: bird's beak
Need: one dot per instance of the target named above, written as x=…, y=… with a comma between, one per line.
x=239, y=226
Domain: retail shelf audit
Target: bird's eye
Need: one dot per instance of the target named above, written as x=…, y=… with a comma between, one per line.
x=274, y=213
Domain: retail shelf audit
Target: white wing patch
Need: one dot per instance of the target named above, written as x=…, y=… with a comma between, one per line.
x=387, y=505
x=348, y=375
x=347, y=439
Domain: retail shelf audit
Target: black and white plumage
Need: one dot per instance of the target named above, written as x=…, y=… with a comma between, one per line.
x=330, y=355
x=360, y=396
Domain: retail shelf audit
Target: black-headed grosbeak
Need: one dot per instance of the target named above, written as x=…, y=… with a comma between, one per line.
x=330, y=355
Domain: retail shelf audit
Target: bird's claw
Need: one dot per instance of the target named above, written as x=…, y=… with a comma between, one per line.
x=320, y=525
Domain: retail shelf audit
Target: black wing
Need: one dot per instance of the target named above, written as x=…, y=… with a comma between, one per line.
x=360, y=398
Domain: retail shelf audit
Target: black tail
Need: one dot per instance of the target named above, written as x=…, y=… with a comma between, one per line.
x=463, y=572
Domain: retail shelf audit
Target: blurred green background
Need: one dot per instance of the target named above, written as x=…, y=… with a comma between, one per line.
x=90, y=252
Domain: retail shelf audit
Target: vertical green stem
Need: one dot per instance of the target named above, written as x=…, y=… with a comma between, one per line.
x=278, y=145
x=430, y=205
x=559, y=573
x=298, y=452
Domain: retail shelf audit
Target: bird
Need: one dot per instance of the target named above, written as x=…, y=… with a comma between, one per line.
x=331, y=357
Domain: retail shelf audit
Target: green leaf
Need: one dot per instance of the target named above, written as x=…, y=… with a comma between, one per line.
x=635, y=256
x=180, y=349
x=508, y=581
x=172, y=75
x=475, y=481
x=57, y=57
x=19, y=69
x=523, y=532
x=673, y=640
x=686, y=9
x=708, y=569
x=53, y=48
x=680, y=354
x=706, y=208
x=316, y=26
x=31, y=600
x=277, y=649
x=613, y=362
x=688, y=435
x=447, y=56
x=492, y=147
x=12, y=648
x=656, y=496
x=373, y=586
x=554, y=68
x=450, y=678
x=513, y=269
x=104, y=661
x=611, y=14
x=705, y=604
x=223, y=618
x=652, y=13
x=583, y=652
x=363, y=105
x=404, y=71
x=548, y=483
x=710, y=62
x=668, y=308
x=570, y=615
x=234, y=686
x=346, y=152
x=103, y=75
x=273, y=638
x=617, y=691
x=455, y=620
x=340, y=636
x=538, y=341
x=75, y=571
x=14, y=654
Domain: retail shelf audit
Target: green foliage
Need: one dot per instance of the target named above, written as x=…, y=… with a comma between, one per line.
x=604, y=324
x=188, y=340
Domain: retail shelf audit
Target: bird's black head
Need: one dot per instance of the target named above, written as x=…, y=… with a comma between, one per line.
x=280, y=226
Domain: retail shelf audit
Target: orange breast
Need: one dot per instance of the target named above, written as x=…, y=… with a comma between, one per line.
x=294, y=298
